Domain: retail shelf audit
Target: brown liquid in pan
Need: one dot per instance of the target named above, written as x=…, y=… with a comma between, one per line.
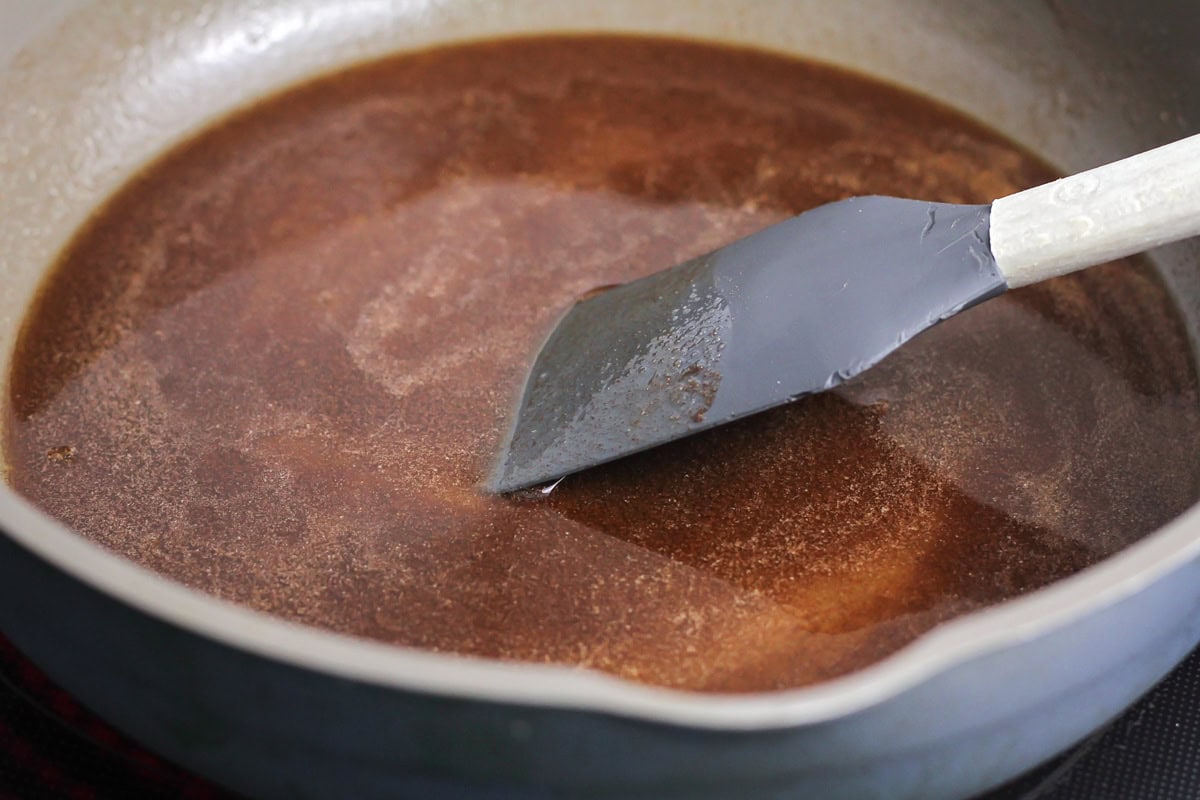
x=276, y=366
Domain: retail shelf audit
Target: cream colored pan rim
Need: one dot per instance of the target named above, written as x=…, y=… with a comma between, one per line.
x=100, y=89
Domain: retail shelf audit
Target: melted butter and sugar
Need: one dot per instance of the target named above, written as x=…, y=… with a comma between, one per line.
x=276, y=367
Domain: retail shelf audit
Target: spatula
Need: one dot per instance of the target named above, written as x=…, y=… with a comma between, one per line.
x=812, y=301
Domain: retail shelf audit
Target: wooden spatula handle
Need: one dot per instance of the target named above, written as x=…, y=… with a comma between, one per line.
x=1105, y=213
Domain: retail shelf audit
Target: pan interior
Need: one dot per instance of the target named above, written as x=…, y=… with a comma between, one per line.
x=1023, y=93
x=261, y=371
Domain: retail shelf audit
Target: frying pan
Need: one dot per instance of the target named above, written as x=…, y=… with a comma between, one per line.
x=90, y=91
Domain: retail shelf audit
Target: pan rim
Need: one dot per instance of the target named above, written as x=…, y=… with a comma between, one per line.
x=942, y=649
x=566, y=688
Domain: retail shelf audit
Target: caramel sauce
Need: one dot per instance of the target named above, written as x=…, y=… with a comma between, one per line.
x=276, y=366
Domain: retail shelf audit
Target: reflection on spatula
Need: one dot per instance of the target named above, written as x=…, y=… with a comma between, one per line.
x=813, y=301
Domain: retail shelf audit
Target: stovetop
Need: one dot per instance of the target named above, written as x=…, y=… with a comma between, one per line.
x=51, y=748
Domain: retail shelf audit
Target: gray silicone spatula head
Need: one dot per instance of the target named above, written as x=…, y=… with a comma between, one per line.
x=815, y=300
x=792, y=310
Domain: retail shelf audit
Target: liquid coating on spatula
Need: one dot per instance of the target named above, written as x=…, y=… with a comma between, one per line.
x=813, y=301
x=792, y=310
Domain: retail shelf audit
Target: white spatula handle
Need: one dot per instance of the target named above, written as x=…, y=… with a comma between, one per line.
x=1105, y=213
